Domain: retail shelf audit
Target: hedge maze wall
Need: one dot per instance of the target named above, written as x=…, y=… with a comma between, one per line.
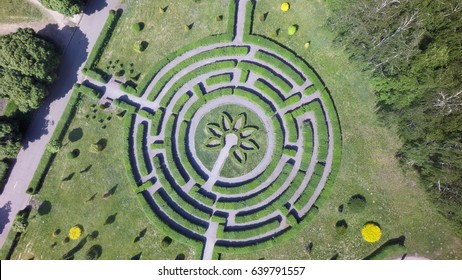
x=233, y=142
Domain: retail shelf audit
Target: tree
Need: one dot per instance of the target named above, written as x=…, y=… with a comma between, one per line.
x=20, y=225
x=9, y=138
x=28, y=64
x=54, y=146
x=65, y=7
x=26, y=53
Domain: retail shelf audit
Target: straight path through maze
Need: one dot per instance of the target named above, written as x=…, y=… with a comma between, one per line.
x=233, y=142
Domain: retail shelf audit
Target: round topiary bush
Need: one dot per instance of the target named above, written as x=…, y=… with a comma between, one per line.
x=371, y=232
x=357, y=203
x=292, y=29
x=285, y=7
x=73, y=154
x=180, y=257
x=166, y=241
x=137, y=27
x=140, y=46
x=56, y=232
x=94, y=252
x=75, y=232
x=341, y=227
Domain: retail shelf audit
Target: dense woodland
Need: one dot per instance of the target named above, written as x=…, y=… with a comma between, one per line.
x=412, y=50
x=28, y=65
x=65, y=7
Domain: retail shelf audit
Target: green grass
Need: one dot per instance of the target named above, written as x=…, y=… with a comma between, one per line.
x=230, y=168
x=395, y=200
x=161, y=31
x=17, y=11
x=70, y=205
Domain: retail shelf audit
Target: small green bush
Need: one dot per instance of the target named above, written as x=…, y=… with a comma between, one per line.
x=73, y=154
x=137, y=27
x=357, y=203
x=292, y=29
x=140, y=46
x=54, y=146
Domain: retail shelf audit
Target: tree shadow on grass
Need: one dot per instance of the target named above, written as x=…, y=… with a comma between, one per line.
x=44, y=208
x=111, y=219
x=75, y=135
x=74, y=55
x=70, y=255
x=69, y=177
x=4, y=215
x=86, y=169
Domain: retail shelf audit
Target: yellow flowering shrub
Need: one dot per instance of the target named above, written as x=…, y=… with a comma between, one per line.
x=75, y=232
x=285, y=6
x=371, y=232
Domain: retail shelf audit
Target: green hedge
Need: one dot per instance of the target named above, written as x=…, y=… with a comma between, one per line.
x=291, y=128
x=277, y=204
x=60, y=131
x=219, y=79
x=100, y=46
x=278, y=63
x=180, y=103
x=96, y=74
x=310, y=188
x=214, y=53
x=140, y=140
x=268, y=92
x=255, y=99
x=129, y=89
x=266, y=74
x=178, y=199
x=194, y=193
x=223, y=38
x=288, y=55
x=129, y=118
x=93, y=93
x=202, y=70
x=249, y=233
x=160, y=225
x=307, y=133
x=176, y=217
x=272, y=188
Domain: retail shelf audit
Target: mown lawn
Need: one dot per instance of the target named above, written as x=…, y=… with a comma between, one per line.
x=164, y=31
x=395, y=199
x=16, y=11
x=73, y=195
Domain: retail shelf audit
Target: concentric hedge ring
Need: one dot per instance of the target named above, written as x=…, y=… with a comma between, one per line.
x=277, y=140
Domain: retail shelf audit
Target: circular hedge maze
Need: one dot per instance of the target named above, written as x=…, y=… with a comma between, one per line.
x=234, y=141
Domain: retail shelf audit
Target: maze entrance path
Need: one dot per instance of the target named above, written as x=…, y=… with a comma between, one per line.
x=233, y=142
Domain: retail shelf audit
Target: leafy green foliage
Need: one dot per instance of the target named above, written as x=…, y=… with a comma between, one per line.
x=413, y=53
x=54, y=146
x=9, y=138
x=27, y=65
x=65, y=7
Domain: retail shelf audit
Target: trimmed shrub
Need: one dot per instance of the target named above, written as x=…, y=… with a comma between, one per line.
x=292, y=30
x=99, y=47
x=341, y=227
x=166, y=242
x=140, y=46
x=73, y=154
x=357, y=203
x=137, y=27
